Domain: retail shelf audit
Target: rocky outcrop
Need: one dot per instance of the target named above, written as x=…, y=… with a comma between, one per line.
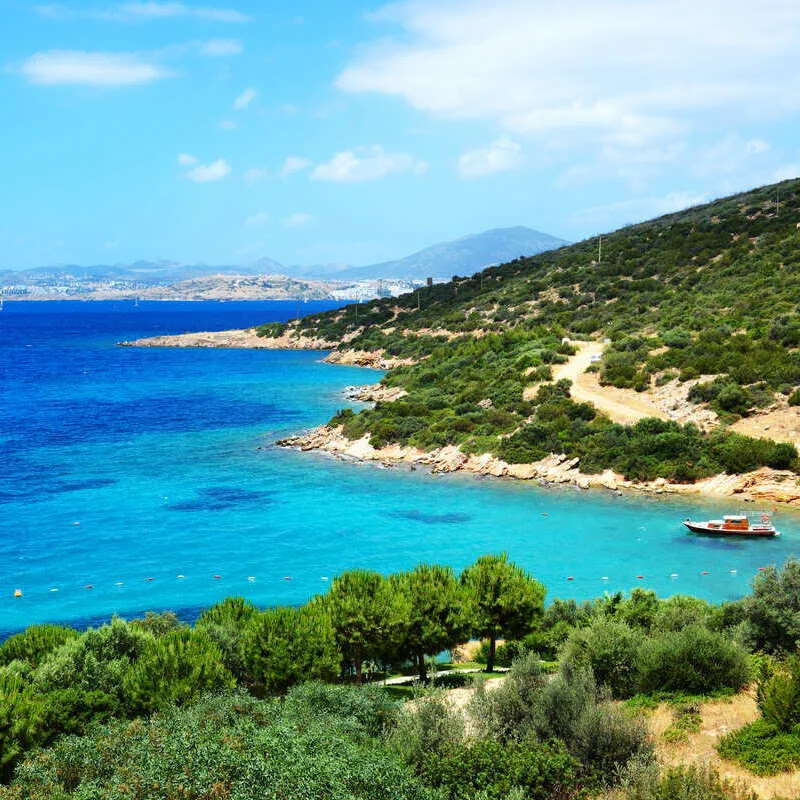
x=243, y=339
x=375, y=393
x=764, y=485
x=366, y=358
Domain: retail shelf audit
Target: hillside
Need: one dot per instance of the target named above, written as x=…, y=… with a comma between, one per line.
x=466, y=254
x=704, y=301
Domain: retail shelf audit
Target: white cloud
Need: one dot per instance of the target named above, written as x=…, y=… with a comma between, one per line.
x=623, y=71
x=630, y=211
x=255, y=174
x=80, y=68
x=787, y=172
x=365, y=164
x=294, y=164
x=217, y=48
x=244, y=99
x=127, y=12
x=297, y=220
x=756, y=146
x=257, y=220
x=203, y=173
x=186, y=160
x=502, y=155
x=167, y=10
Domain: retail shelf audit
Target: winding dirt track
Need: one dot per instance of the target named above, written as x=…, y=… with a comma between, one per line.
x=624, y=406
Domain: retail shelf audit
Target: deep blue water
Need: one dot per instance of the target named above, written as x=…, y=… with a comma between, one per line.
x=151, y=476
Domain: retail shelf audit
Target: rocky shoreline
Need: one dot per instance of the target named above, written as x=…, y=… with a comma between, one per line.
x=248, y=339
x=764, y=485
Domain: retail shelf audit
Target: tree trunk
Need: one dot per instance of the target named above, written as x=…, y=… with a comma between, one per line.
x=359, y=674
x=490, y=660
x=423, y=674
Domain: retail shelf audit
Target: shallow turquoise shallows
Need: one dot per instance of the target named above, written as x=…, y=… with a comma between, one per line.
x=136, y=479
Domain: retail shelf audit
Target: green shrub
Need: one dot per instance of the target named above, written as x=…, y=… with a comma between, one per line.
x=223, y=747
x=95, y=661
x=762, y=748
x=643, y=780
x=693, y=660
x=778, y=695
x=176, y=668
x=609, y=649
x=35, y=643
x=20, y=722
x=284, y=646
x=508, y=711
x=428, y=730
x=772, y=610
x=606, y=738
x=492, y=770
x=680, y=611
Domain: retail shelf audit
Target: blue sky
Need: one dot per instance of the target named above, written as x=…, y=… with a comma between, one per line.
x=315, y=132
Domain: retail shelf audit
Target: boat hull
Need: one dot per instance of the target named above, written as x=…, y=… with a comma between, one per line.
x=700, y=527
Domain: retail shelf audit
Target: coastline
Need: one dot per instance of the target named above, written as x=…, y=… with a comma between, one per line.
x=763, y=485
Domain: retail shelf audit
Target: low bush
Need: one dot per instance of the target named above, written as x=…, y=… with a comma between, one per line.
x=762, y=748
x=693, y=660
x=606, y=738
x=35, y=643
x=643, y=780
x=609, y=649
x=493, y=771
x=508, y=711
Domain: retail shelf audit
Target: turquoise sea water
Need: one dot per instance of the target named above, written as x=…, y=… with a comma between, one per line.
x=150, y=476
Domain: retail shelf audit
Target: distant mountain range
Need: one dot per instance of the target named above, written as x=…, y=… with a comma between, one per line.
x=441, y=261
x=461, y=256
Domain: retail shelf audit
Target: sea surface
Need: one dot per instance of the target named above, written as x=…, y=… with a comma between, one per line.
x=147, y=479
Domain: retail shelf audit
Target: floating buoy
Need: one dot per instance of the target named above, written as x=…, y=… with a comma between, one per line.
x=704, y=573
x=148, y=579
x=761, y=569
x=570, y=578
x=54, y=589
x=287, y=577
x=17, y=592
x=76, y=523
x=217, y=577
x=674, y=575
x=251, y=578
x=604, y=578
x=544, y=515
x=734, y=571
x=640, y=577
x=180, y=577
x=118, y=583
x=324, y=578
x=88, y=586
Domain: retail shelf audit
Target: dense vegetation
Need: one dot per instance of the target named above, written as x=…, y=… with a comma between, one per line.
x=268, y=703
x=712, y=291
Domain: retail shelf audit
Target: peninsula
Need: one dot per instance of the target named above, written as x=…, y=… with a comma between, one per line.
x=665, y=357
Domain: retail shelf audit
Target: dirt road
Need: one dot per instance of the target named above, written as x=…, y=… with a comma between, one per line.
x=624, y=406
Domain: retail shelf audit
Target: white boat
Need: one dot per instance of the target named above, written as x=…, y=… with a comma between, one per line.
x=735, y=525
